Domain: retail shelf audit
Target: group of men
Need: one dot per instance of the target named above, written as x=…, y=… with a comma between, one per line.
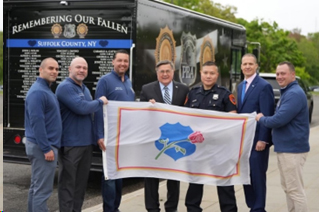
x=63, y=127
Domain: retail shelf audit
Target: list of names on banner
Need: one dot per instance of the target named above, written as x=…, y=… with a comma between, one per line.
x=29, y=63
x=64, y=57
x=102, y=64
x=29, y=60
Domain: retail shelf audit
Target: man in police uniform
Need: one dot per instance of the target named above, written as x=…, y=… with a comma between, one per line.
x=211, y=96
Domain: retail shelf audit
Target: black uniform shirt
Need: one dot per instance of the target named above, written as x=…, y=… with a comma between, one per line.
x=217, y=98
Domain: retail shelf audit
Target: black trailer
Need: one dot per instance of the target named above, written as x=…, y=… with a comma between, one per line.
x=150, y=30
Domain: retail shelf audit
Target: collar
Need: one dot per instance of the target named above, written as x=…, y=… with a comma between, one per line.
x=250, y=79
x=73, y=82
x=119, y=77
x=201, y=90
x=282, y=90
x=169, y=86
x=43, y=81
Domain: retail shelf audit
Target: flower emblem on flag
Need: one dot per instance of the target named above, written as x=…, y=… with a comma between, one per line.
x=177, y=141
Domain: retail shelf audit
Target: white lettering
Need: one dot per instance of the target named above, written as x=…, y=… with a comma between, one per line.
x=124, y=29
x=111, y=25
x=78, y=18
x=118, y=27
x=91, y=43
x=188, y=72
x=69, y=18
x=14, y=30
x=48, y=44
x=73, y=44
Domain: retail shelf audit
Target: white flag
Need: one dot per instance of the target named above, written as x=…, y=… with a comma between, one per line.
x=179, y=143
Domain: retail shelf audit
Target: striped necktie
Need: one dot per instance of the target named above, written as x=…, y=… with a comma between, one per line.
x=167, y=98
x=243, y=91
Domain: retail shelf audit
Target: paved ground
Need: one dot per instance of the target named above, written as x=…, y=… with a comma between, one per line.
x=276, y=201
x=1, y=167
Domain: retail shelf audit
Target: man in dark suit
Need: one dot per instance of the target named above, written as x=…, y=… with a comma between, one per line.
x=256, y=95
x=167, y=91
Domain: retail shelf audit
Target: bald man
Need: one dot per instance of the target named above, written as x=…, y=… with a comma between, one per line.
x=75, y=154
x=43, y=129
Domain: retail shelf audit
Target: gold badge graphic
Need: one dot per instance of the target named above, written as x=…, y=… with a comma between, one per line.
x=82, y=30
x=165, y=46
x=56, y=30
x=206, y=51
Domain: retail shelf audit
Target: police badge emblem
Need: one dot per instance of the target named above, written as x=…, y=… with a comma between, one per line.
x=56, y=30
x=206, y=51
x=188, y=69
x=165, y=46
x=82, y=30
x=69, y=30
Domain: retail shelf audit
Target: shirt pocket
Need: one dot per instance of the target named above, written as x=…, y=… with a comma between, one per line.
x=214, y=105
x=194, y=105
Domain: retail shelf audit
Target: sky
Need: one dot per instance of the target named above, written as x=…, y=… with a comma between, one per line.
x=289, y=14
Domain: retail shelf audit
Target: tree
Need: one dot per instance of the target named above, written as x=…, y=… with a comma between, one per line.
x=276, y=46
x=209, y=8
x=309, y=46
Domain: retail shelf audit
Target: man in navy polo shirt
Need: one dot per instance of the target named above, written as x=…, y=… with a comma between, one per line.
x=77, y=108
x=114, y=86
x=43, y=129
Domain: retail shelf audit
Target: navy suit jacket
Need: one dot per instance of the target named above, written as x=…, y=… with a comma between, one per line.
x=259, y=98
x=153, y=91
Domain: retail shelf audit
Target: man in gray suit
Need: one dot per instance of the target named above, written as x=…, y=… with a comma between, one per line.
x=167, y=91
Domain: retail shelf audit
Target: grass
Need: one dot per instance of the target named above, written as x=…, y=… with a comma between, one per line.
x=315, y=93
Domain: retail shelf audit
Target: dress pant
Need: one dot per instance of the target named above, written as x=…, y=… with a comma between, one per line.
x=291, y=167
x=74, y=170
x=42, y=177
x=152, y=197
x=111, y=194
x=226, y=195
x=255, y=194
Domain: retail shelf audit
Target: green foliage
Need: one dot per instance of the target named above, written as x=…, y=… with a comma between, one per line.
x=276, y=46
x=190, y=4
x=301, y=72
x=208, y=7
x=309, y=46
x=1, y=58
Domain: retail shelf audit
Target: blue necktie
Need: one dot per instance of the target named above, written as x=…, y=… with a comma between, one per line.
x=243, y=91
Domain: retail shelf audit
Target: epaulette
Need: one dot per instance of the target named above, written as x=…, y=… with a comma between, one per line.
x=195, y=88
x=222, y=87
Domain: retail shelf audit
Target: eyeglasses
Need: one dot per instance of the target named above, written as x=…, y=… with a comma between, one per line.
x=165, y=72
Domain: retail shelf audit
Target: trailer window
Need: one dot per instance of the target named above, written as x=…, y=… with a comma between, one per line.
x=235, y=66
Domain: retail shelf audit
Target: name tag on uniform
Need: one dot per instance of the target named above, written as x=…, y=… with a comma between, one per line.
x=215, y=96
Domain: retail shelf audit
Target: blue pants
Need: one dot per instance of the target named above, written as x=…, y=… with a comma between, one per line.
x=112, y=194
x=255, y=193
x=42, y=177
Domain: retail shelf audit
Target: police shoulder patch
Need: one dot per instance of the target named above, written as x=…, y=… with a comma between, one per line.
x=186, y=99
x=232, y=99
